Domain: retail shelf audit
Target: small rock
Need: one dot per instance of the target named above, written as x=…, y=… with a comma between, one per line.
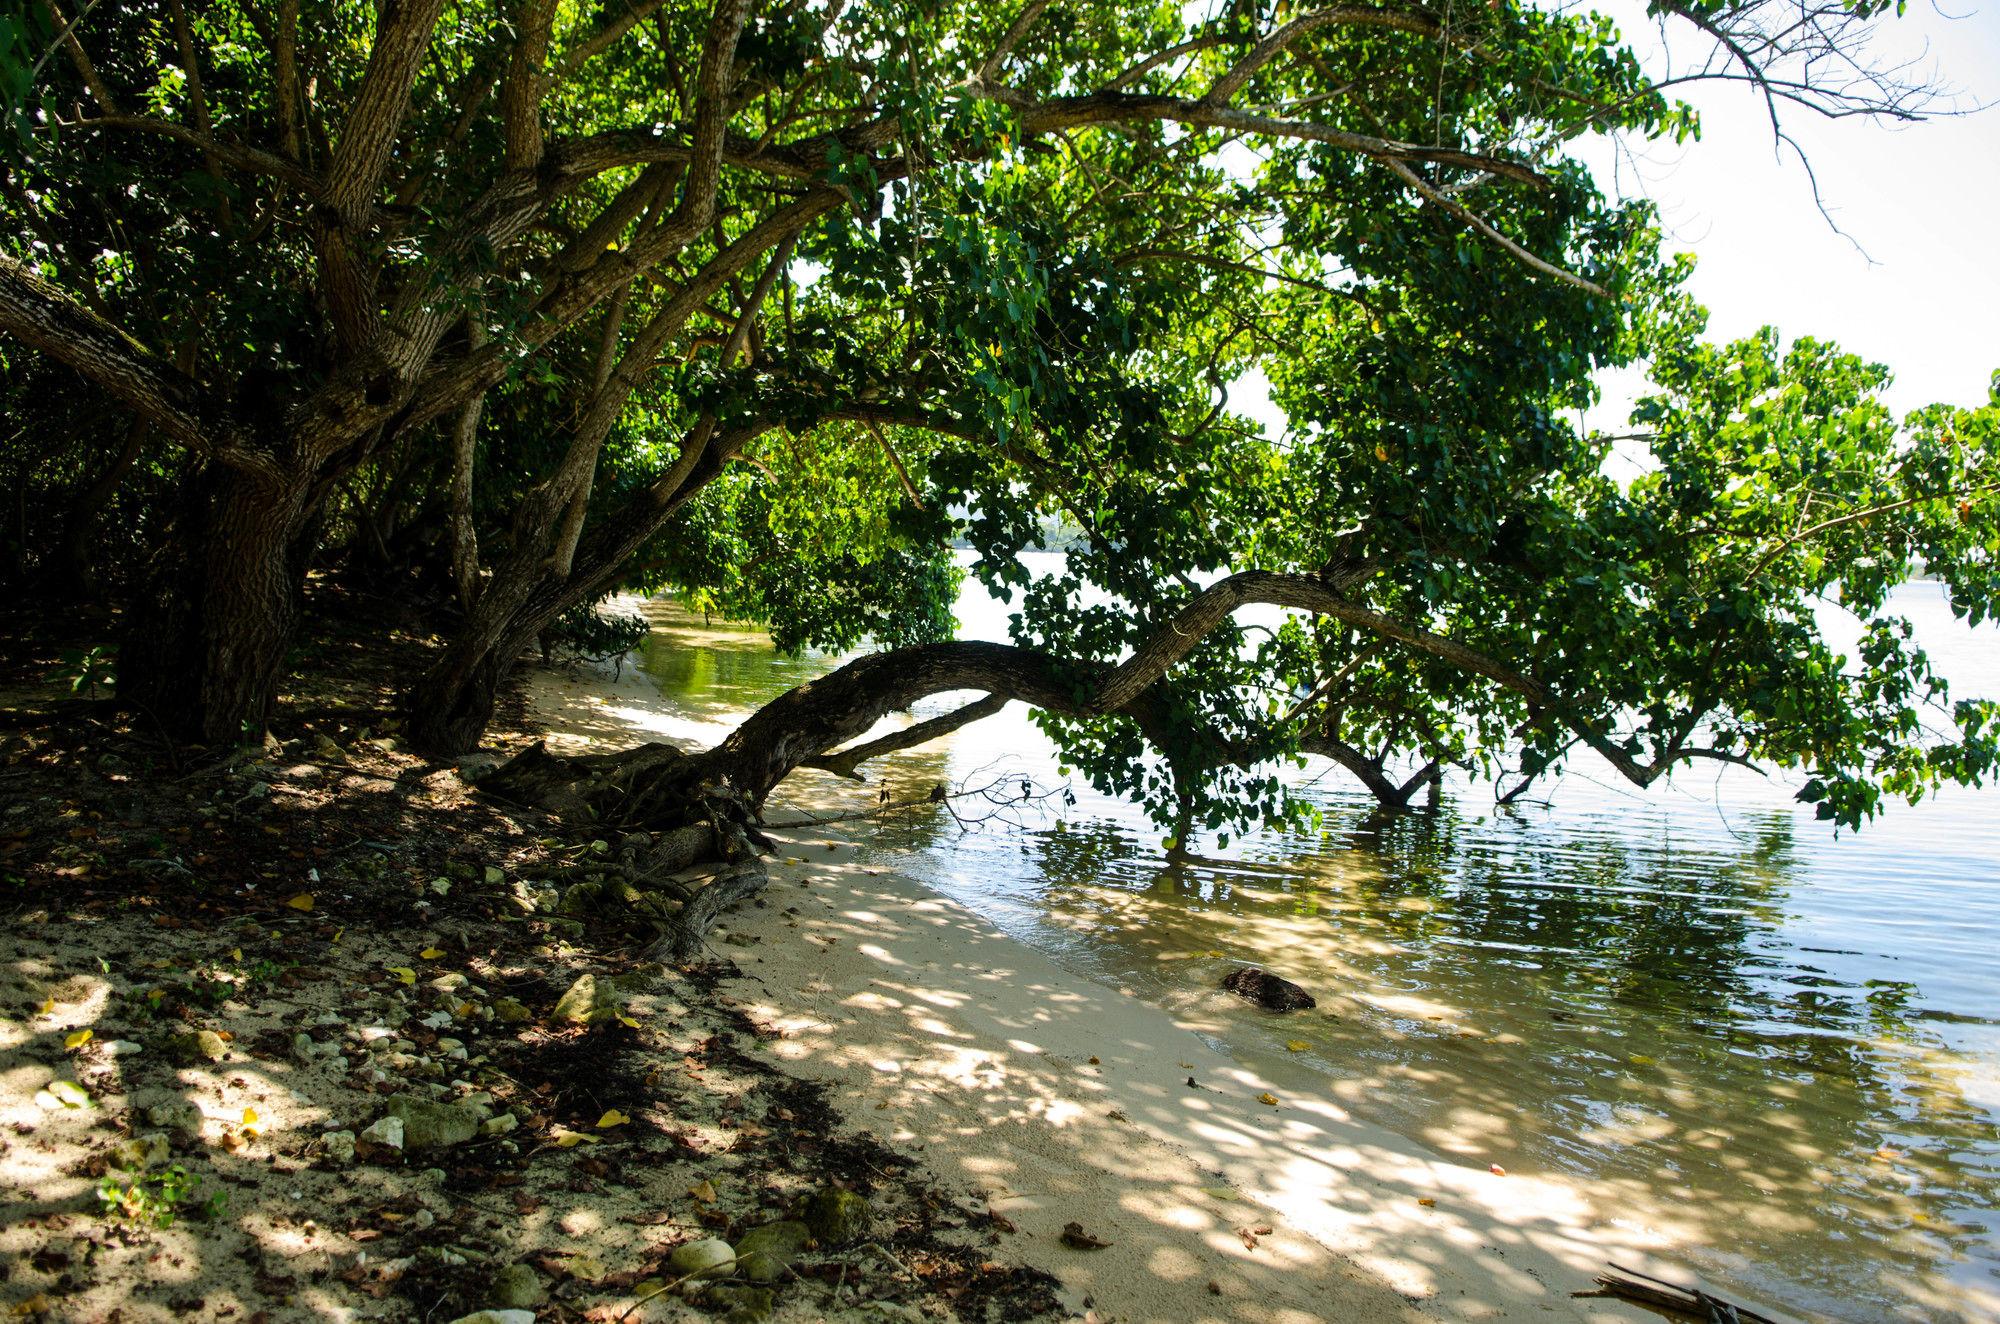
x=499, y=1126
x=711, y=1257
x=432, y=1125
x=422, y=1220
x=177, y=1118
x=339, y=1146
x=517, y=1286
x=192, y=1050
x=592, y=999
x=122, y=1048
x=326, y=751
x=511, y=1011
x=303, y=1047
x=386, y=1131
x=495, y=875
x=497, y=1317
x=1267, y=990
x=764, y=1253
x=837, y=1217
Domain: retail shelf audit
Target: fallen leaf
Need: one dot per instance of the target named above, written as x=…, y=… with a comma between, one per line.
x=430, y=953
x=1219, y=1193
x=705, y=1192
x=48, y=1005
x=1427, y=1202
x=403, y=974
x=78, y=1038
x=571, y=1139
x=627, y=1021
x=252, y=1125
x=1296, y=1045
x=1076, y=1238
x=1496, y=1169
x=612, y=1117
x=69, y=1094
x=1268, y=1098
x=303, y=901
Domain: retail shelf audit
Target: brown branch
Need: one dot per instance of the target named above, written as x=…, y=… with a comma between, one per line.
x=521, y=91
x=1026, y=19
x=79, y=57
x=45, y=318
x=844, y=762
x=1439, y=200
x=1229, y=84
x=376, y=117
x=633, y=14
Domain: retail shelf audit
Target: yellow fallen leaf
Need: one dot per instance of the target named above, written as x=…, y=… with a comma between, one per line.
x=1268, y=1098
x=236, y=955
x=1640, y=1060
x=303, y=901
x=626, y=1021
x=430, y=953
x=463, y=1010
x=336, y=936
x=78, y=1038
x=48, y=1005
x=1427, y=1202
x=612, y=1117
x=571, y=1139
x=704, y=1193
x=252, y=1125
x=403, y=974
x=1296, y=1045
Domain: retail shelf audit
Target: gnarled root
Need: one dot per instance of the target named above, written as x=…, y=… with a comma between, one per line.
x=698, y=856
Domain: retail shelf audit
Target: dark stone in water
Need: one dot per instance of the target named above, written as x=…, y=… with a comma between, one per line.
x=1267, y=990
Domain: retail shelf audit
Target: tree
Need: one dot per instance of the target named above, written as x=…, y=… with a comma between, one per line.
x=1014, y=260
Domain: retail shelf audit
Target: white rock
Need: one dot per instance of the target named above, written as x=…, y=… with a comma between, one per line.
x=385, y=1131
x=122, y=1048
x=340, y=1144
x=499, y=1126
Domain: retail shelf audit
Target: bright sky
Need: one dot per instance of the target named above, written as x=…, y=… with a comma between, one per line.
x=1923, y=200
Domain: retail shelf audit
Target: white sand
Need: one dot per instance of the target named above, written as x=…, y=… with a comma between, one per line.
x=1064, y=1100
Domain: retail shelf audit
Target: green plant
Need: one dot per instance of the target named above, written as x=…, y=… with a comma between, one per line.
x=88, y=670
x=160, y=1199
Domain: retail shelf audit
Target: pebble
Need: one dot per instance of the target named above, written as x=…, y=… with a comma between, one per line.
x=385, y=1131
x=339, y=1145
x=710, y=1257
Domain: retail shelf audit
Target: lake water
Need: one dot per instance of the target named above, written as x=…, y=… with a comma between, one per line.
x=1698, y=1002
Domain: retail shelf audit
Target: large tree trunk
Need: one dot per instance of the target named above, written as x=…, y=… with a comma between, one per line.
x=205, y=652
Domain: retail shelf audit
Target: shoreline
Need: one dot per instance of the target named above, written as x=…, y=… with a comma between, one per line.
x=1066, y=1100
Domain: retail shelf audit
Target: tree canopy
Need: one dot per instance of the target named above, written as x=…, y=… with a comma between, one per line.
x=771, y=302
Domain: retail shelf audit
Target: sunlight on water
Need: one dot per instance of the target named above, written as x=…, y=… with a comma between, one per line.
x=1697, y=1001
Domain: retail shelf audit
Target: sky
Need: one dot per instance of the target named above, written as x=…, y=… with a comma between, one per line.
x=1921, y=292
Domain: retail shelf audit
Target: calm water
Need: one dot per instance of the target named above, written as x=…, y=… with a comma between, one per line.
x=1696, y=1001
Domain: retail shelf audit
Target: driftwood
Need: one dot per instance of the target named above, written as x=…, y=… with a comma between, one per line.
x=1692, y=1302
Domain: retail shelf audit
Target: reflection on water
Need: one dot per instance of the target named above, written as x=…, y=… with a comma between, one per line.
x=1699, y=1004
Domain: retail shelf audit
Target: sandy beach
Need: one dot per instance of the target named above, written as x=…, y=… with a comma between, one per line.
x=1225, y=1189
